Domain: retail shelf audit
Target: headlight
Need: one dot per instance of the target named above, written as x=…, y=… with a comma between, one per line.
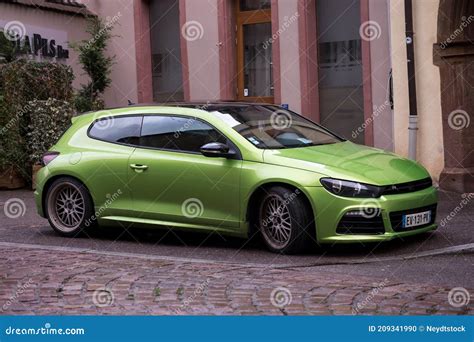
x=350, y=189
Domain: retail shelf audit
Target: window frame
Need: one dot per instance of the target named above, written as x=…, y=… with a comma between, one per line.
x=249, y=17
x=232, y=145
x=114, y=117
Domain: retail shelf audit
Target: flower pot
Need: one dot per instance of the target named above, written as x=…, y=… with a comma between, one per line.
x=11, y=179
x=34, y=172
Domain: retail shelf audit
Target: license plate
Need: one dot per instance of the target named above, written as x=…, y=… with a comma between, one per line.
x=418, y=219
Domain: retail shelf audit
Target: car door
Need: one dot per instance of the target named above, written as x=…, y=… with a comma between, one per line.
x=172, y=181
x=105, y=163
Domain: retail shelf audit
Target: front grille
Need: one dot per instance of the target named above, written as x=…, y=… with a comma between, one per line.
x=396, y=218
x=360, y=224
x=404, y=188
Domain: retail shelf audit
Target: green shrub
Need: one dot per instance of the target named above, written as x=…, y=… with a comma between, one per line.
x=8, y=49
x=95, y=63
x=11, y=153
x=24, y=81
x=49, y=120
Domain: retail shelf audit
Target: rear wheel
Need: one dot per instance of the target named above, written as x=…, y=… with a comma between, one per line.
x=286, y=221
x=69, y=207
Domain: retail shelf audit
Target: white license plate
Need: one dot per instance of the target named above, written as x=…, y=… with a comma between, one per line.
x=418, y=219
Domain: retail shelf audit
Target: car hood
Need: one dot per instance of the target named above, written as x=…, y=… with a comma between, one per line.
x=346, y=160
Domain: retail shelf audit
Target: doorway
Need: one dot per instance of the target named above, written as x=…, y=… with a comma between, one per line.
x=254, y=51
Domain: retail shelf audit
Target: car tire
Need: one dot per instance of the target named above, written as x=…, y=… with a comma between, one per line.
x=286, y=221
x=69, y=207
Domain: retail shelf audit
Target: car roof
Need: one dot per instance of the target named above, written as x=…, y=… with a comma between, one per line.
x=203, y=105
x=208, y=106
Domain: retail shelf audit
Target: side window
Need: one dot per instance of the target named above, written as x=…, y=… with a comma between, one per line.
x=124, y=130
x=177, y=133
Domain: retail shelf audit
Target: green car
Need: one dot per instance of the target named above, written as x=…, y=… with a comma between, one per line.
x=232, y=168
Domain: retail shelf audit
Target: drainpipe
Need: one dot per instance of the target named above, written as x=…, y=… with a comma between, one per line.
x=413, y=115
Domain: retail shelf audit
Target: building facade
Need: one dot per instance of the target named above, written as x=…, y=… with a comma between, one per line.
x=42, y=23
x=341, y=63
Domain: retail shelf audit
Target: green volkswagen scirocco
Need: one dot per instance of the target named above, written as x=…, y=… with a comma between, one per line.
x=233, y=168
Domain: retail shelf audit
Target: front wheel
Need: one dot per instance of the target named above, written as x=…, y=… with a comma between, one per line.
x=69, y=207
x=286, y=221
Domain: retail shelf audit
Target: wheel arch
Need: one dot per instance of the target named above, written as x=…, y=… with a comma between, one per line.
x=51, y=180
x=251, y=204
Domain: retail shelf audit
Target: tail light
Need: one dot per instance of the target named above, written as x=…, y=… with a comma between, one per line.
x=48, y=157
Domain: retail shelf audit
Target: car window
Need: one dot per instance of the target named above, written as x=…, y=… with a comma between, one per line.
x=177, y=133
x=123, y=130
x=271, y=127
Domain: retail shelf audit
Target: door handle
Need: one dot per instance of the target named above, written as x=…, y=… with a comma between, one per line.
x=139, y=167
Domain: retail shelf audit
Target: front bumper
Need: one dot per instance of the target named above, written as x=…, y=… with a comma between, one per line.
x=329, y=209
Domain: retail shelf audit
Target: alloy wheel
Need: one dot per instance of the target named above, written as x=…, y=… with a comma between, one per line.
x=66, y=207
x=275, y=221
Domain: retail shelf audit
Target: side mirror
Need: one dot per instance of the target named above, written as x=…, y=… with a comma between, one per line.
x=216, y=149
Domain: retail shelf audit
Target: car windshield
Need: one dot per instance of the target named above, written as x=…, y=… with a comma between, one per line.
x=272, y=127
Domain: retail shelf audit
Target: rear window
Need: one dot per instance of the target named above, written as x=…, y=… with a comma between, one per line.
x=122, y=130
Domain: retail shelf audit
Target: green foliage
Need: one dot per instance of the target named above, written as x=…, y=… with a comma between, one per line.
x=23, y=81
x=95, y=63
x=8, y=49
x=49, y=120
x=11, y=154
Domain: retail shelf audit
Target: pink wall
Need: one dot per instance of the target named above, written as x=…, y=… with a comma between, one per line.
x=381, y=64
x=289, y=51
x=124, y=72
x=203, y=51
x=141, y=11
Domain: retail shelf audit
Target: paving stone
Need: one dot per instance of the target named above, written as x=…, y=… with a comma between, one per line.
x=67, y=283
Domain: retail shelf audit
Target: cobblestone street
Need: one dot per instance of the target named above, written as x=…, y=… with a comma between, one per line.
x=44, y=281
